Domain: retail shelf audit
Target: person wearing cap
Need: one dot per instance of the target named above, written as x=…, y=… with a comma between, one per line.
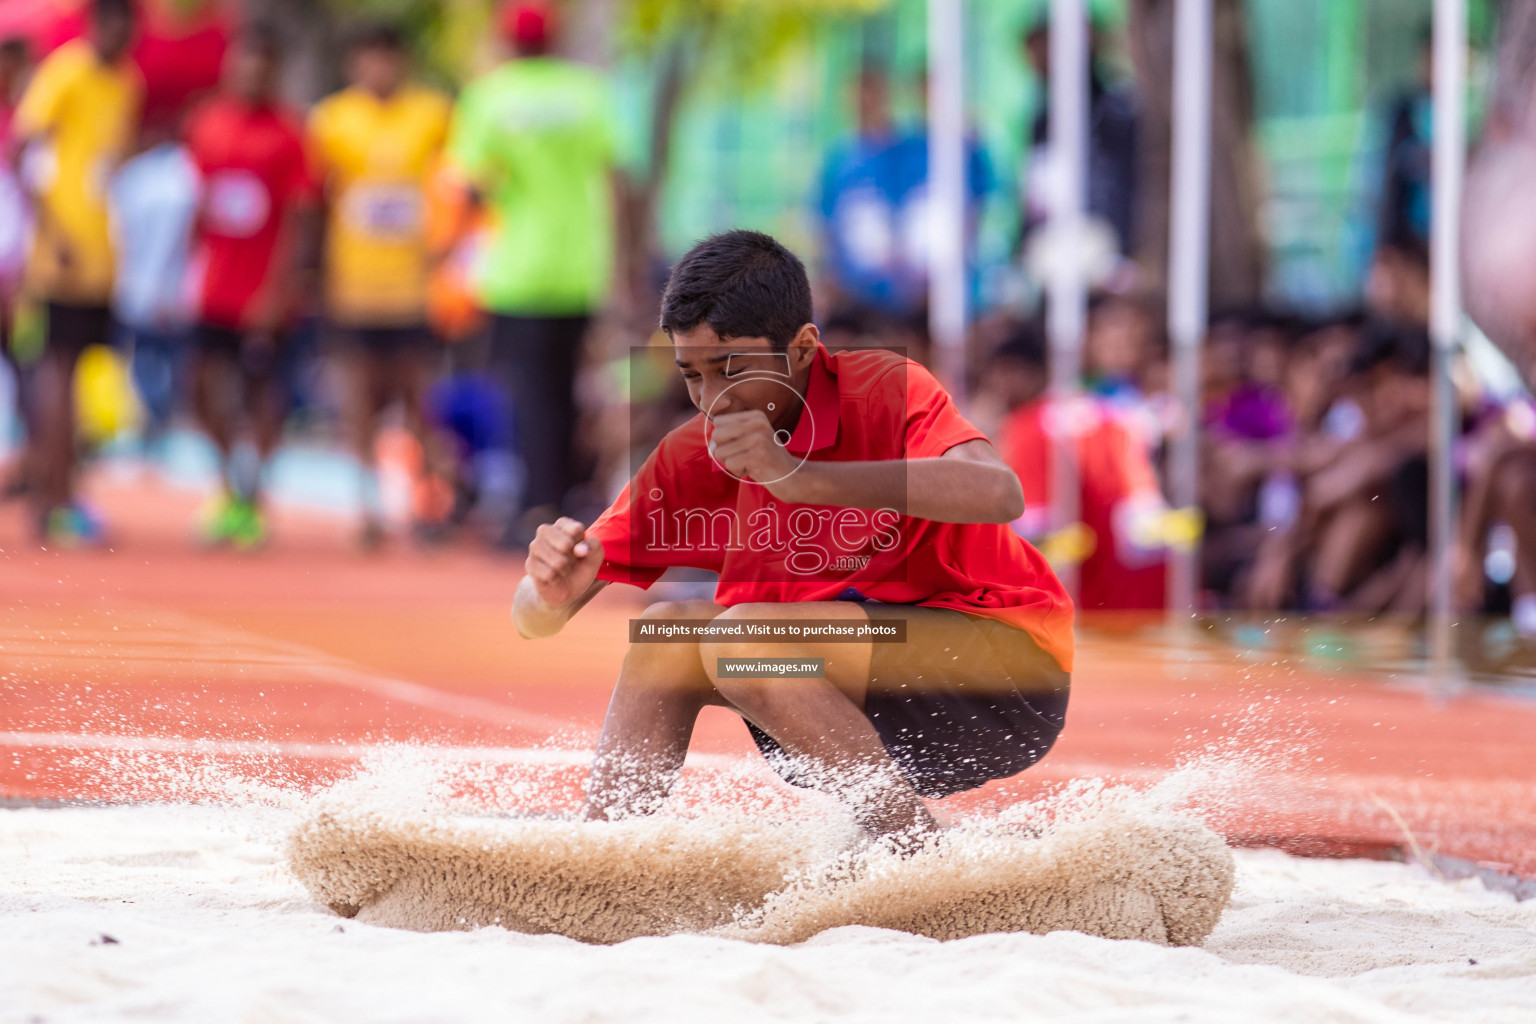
x=532, y=138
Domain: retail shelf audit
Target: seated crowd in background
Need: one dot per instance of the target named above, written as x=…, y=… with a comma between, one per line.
x=396, y=220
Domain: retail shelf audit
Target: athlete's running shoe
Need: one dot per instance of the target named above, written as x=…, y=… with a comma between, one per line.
x=236, y=522
x=72, y=526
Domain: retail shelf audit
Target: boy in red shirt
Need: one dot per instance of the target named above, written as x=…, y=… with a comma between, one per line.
x=1121, y=503
x=837, y=490
x=257, y=188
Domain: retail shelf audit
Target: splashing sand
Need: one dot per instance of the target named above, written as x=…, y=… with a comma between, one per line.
x=598, y=881
x=1121, y=871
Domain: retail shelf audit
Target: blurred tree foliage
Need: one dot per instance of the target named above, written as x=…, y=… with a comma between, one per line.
x=448, y=37
x=728, y=45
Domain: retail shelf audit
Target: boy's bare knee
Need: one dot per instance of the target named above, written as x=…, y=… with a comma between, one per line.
x=756, y=699
x=673, y=665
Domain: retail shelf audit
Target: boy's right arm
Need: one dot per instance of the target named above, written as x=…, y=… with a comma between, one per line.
x=561, y=577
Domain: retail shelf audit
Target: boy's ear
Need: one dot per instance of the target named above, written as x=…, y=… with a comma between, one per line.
x=802, y=348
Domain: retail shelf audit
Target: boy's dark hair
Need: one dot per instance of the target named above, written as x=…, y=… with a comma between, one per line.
x=376, y=35
x=743, y=284
x=1404, y=347
x=1025, y=345
x=113, y=9
x=263, y=39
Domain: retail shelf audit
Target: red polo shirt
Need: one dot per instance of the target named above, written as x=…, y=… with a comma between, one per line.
x=1115, y=474
x=255, y=170
x=683, y=509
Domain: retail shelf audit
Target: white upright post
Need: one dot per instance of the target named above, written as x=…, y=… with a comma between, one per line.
x=1067, y=288
x=947, y=278
x=1188, y=273
x=1449, y=154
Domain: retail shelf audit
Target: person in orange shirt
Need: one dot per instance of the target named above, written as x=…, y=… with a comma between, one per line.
x=75, y=121
x=1121, y=502
x=376, y=142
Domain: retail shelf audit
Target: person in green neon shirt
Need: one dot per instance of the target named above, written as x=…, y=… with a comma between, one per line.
x=533, y=139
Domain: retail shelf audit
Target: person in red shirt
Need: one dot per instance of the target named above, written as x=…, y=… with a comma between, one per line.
x=842, y=491
x=257, y=191
x=1121, y=503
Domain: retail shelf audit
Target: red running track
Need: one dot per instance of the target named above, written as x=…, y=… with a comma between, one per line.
x=127, y=674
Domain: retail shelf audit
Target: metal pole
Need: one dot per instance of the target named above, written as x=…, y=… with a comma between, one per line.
x=1067, y=289
x=1188, y=273
x=1449, y=141
x=947, y=192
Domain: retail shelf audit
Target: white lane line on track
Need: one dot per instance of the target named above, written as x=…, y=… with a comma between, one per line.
x=225, y=645
x=107, y=743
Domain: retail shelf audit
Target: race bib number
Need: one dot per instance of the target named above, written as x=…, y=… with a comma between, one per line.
x=236, y=204
x=383, y=211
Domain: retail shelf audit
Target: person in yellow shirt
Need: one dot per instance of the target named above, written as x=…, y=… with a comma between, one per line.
x=376, y=142
x=74, y=123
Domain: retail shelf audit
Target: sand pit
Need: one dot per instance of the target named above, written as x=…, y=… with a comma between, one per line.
x=209, y=924
x=1123, y=873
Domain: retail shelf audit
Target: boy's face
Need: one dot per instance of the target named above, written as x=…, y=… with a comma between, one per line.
x=111, y=33
x=377, y=69
x=1117, y=341
x=728, y=375
x=250, y=72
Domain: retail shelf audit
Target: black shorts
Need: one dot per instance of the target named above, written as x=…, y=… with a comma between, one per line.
x=74, y=328
x=382, y=341
x=964, y=701
x=259, y=361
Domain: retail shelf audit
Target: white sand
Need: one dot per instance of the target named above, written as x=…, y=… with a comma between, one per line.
x=210, y=926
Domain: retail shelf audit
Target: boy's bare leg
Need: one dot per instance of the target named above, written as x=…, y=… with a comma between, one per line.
x=53, y=417
x=822, y=720
x=663, y=687
x=212, y=387
x=364, y=377
x=660, y=692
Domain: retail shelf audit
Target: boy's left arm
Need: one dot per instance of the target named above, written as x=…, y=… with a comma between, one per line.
x=969, y=483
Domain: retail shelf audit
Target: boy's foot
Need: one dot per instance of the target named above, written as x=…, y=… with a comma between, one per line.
x=71, y=526
x=220, y=520
x=236, y=522
x=370, y=535
x=252, y=531
x=431, y=534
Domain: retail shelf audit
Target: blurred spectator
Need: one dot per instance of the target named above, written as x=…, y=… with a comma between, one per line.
x=14, y=228
x=1356, y=536
x=874, y=211
x=455, y=228
x=179, y=47
x=1496, y=544
x=1123, y=353
x=15, y=235
x=1113, y=155
x=1122, y=505
x=376, y=142
x=257, y=188
x=1405, y=192
x=74, y=123
x=1247, y=487
x=154, y=199
x=1397, y=286
x=533, y=137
